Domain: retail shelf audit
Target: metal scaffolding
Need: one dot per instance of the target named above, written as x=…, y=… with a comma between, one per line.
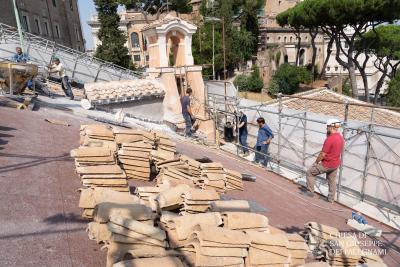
x=80, y=66
x=370, y=169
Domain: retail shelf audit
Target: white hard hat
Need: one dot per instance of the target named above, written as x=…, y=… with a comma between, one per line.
x=333, y=122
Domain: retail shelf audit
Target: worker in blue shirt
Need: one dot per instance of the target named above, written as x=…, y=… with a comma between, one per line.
x=20, y=57
x=264, y=138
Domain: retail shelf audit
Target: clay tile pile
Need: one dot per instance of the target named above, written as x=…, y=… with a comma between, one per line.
x=171, y=198
x=90, y=197
x=170, y=261
x=179, y=228
x=233, y=180
x=96, y=133
x=267, y=249
x=95, y=160
x=148, y=194
x=230, y=205
x=215, y=246
x=164, y=157
x=192, y=165
x=111, y=176
x=343, y=251
x=318, y=233
x=213, y=176
x=298, y=249
x=127, y=135
x=123, y=90
x=245, y=221
x=198, y=200
x=89, y=156
x=135, y=159
x=172, y=176
x=164, y=144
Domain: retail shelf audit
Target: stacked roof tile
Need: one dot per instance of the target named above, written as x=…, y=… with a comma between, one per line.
x=118, y=91
x=181, y=221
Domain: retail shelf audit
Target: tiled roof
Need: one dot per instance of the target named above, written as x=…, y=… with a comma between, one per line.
x=356, y=113
x=133, y=89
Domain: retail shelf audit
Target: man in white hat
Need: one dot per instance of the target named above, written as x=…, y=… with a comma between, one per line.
x=328, y=160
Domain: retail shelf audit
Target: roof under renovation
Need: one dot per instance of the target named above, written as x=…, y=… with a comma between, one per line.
x=41, y=219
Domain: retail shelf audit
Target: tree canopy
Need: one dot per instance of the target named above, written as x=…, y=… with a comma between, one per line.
x=112, y=47
x=157, y=7
x=344, y=21
x=288, y=78
x=393, y=92
x=240, y=42
x=384, y=43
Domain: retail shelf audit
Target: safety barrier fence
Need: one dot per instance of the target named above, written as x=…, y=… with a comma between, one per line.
x=370, y=169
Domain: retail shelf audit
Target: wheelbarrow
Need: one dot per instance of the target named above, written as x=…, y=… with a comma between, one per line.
x=15, y=76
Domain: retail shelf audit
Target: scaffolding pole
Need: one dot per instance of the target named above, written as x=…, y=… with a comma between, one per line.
x=346, y=116
x=367, y=155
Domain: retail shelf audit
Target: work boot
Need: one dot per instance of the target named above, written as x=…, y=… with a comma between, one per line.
x=330, y=200
x=307, y=193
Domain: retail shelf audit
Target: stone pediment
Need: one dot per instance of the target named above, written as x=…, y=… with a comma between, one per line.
x=169, y=23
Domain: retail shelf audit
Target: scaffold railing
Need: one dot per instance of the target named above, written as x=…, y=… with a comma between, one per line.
x=81, y=67
x=370, y=161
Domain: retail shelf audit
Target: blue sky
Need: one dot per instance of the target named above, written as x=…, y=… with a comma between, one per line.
x=86, y=9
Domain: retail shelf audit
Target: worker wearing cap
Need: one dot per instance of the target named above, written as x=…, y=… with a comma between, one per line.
x=328, y=160
x=57, y=67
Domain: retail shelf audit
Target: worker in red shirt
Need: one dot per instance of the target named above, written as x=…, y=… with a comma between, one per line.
x=328, y=160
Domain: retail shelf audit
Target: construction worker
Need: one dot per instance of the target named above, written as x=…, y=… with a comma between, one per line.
x=264, y=138
x=243, y=132
x=187, y=112
x=20, y=57
x=328, y=160
x=57, y=67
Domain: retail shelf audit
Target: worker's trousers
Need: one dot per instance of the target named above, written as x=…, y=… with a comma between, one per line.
x=262, y=154
x=66, y=86
x=243, y=142
x=317, y=169
x=188, y=125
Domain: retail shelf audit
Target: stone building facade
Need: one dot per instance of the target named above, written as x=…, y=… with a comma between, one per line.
x=56, y=20
x=278, y=45
x=131, y=24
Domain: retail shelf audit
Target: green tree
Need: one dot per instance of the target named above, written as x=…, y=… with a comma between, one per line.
x=287, y=79
x=239, y=42
x=249, y=19
x=384, y=43
x=112, y=47
x=157, y=7
x=252, y=83
x=336, y=17
x=393, y=92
